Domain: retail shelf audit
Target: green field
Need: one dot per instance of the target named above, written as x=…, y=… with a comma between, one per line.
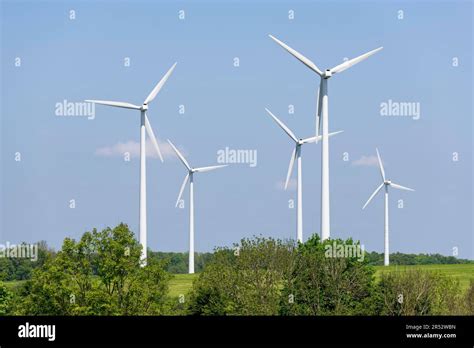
x=464, y=273
x=14, y=284
x=180, y=284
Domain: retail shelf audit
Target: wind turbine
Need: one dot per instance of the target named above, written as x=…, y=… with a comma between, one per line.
x=190, y=177
x=299, y=186
x=385, y=183
x=144, y=124
x=322, y=116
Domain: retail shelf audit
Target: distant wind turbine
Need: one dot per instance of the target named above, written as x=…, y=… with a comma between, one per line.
x=385, y=183
x=297, y=155
x=190, y=176
x=144, y=124
x=322, y=116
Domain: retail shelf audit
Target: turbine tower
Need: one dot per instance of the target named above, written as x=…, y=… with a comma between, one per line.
x=385, y=183
x=322, y=119
x=190, y=176
x=299, y=186
x=144, y=125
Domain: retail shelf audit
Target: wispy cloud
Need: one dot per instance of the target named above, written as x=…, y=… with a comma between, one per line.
x=133, y=148
x=366, y=161
x=280, y=185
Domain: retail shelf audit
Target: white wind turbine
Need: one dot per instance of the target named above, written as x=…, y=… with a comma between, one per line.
x=299, y=186
x=322, y=116
x=190, y=177
x=385, y=183
x=144, y=124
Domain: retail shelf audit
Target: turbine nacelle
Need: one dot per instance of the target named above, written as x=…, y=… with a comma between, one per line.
x=327, y=74
x=144, y=107
x=387, y=182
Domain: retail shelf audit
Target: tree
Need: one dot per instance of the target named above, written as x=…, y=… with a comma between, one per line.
x=98, y=275
x=328, y=278
x=416, y=292
x=16, y=268
x=245, y=280
x=5, y=299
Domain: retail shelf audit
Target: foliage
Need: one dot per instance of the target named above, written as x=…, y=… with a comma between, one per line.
x=21, y=268
x=5, y=299
x=325, y=281
x=98, y=275
x=416, y=292
x=243, y=281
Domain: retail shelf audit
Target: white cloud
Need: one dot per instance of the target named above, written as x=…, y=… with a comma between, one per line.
x=280, y=185
x=133, y=147
x=366, y=161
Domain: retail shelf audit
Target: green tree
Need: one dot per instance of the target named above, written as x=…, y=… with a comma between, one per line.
x=98, y=275
x=5, y=299
x=416, y=292
x=328, y=278
x=245, y=280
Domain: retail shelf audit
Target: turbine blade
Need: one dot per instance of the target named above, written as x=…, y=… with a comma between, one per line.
x=310, y=140
x=298, y=56
x=159, y=85
x=400, y=187
x=290, y=168
x=373, y=195
x=207, y=169
x=318, y=110
x=182, y=189
x=283, y=126
x=316, y=139
x=347, y=64
x=149, y=130
x=180, y=156
x=114, y=103
x=382, y=172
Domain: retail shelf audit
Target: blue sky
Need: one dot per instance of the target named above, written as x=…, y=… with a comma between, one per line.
x=64, y=158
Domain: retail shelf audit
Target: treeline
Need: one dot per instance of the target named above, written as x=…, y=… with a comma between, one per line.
x=376, y=259
x=22, y=268
x=15, y=268
x=101, y=274
x=177, y=263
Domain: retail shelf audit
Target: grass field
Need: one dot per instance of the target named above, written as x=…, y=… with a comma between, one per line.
x=181, y=284
x=462, y=272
